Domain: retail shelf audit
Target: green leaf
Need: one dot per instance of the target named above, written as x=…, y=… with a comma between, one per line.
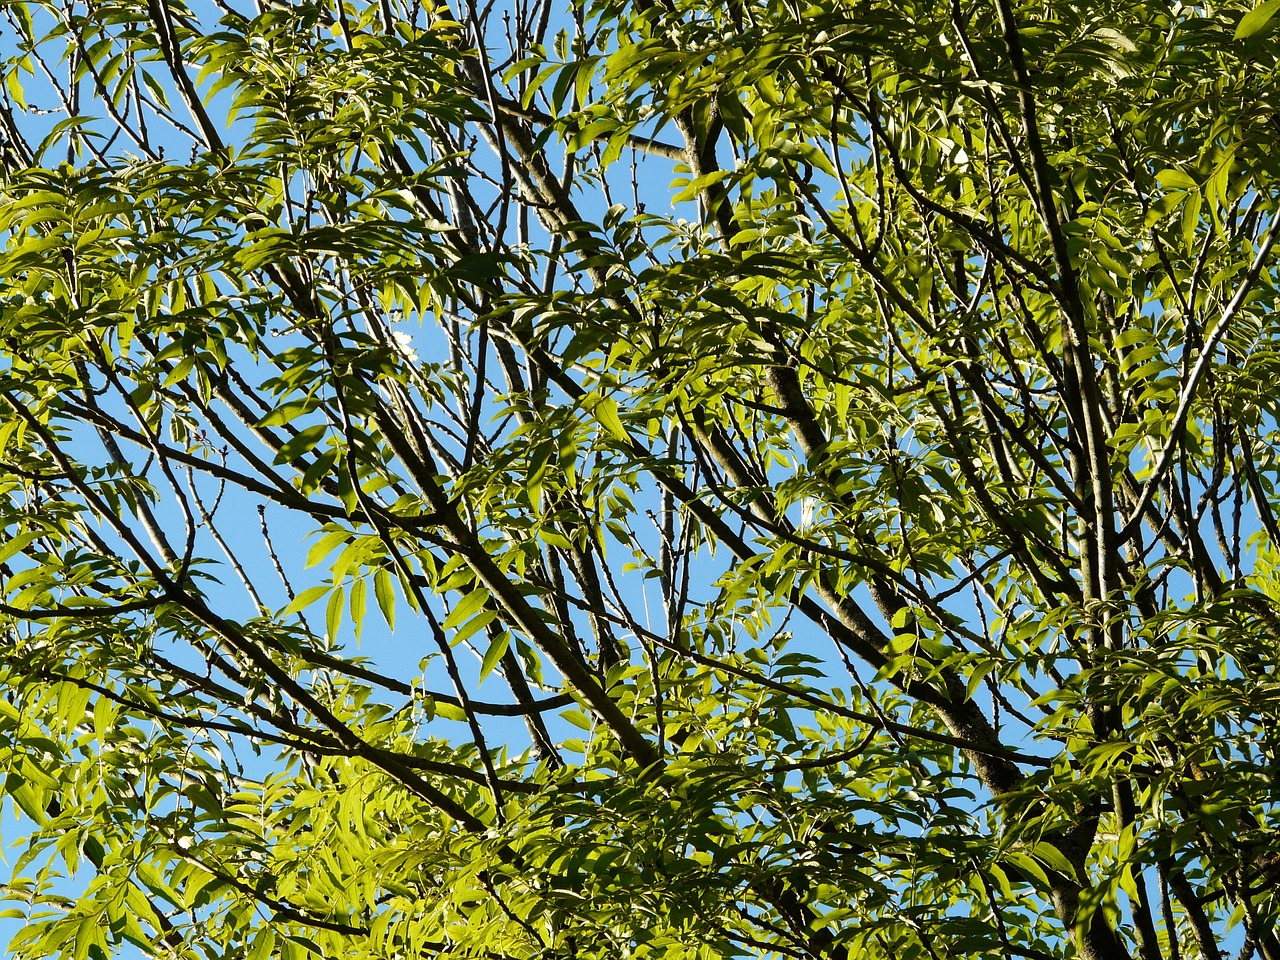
x=262, y=945
x=465, y=607
x=577, y=718
x=473, y=626
x=1172, y=179
x=1257, y=20
x=1030, y=869
x=325, y=545
x=359, y=590
x=333, y=613
x=1050, y=855
x=605, y=411
x=301, y=444
x=304, y=599
x=385, y=592
x=497, y=647
x=19, y=543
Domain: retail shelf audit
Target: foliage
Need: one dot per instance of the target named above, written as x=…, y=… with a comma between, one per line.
x=640, y=479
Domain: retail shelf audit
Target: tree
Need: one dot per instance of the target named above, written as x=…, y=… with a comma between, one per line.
x=778, y=480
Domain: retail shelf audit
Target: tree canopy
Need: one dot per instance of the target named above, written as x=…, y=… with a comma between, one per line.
x=640, y=478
